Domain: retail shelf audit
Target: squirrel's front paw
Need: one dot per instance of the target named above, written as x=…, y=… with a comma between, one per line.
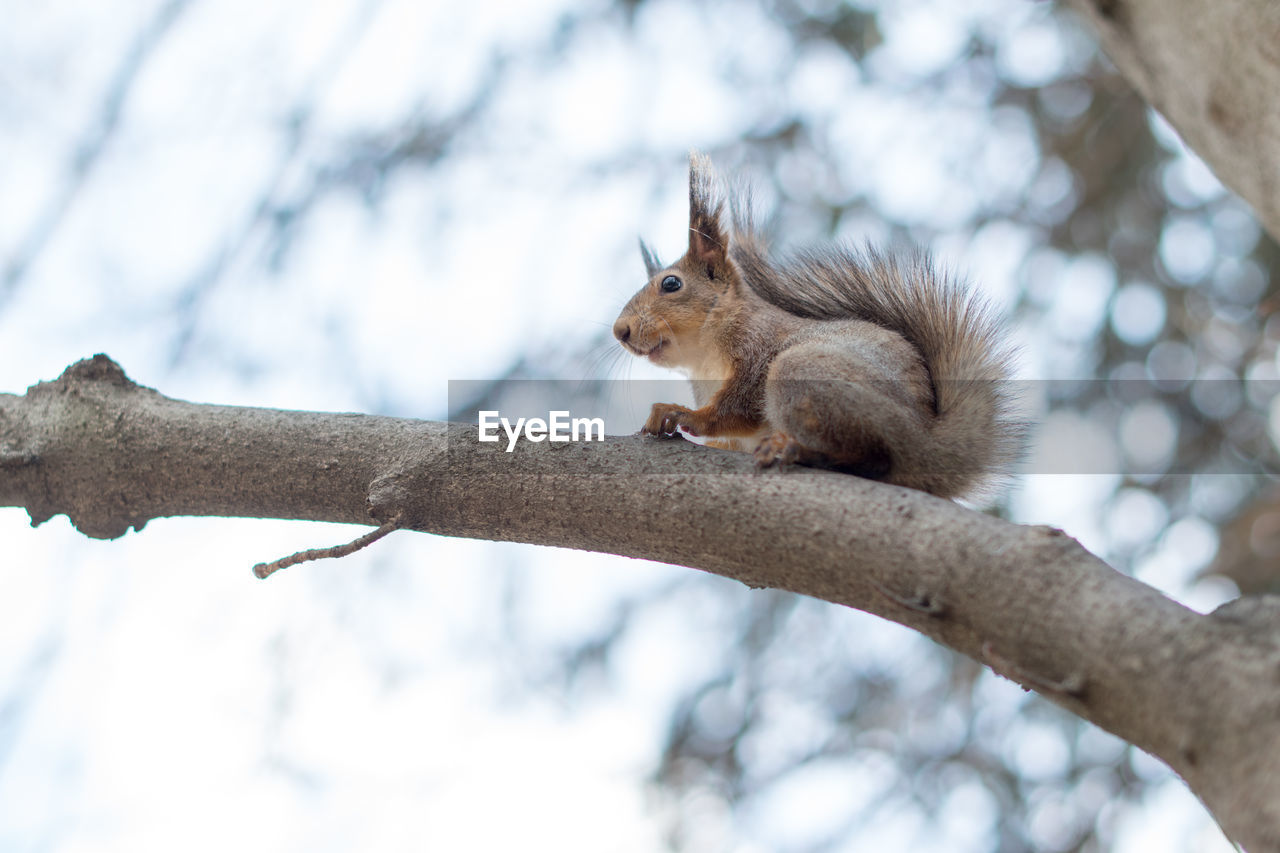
x=778, y=449
x=666, y=419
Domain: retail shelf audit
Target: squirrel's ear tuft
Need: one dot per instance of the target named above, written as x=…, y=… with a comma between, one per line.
x=652, y=266
x=708, y=239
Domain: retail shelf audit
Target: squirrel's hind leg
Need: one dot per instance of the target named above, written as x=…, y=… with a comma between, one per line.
x=782, y=449
x=858, y=409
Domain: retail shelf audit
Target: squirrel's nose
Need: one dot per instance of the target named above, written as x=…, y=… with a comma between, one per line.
x=622, y=330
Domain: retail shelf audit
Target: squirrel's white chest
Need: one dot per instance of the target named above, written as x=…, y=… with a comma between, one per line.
x=706, y=378
x=705, y=366
x=708, y=371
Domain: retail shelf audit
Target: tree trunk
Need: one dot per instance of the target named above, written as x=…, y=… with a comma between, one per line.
x=1198, y=691
x=1213, y=71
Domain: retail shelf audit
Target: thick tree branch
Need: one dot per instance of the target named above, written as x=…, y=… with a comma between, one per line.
x=1213, y=71
x=1197, y=691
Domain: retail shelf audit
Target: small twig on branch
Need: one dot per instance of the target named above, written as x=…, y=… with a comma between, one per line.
x=263, y=570
x=10, y=458
x=1073, y=685
x=920, y=602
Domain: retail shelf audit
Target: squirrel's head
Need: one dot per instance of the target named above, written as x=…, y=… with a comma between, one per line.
x=664, y=321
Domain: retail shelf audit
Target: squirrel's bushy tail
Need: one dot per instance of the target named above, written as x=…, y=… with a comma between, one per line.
x=975, y=438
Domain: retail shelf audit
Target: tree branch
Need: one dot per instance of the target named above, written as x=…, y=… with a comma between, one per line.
x=266, y=570
x=1212, y=70
x=1197, y=691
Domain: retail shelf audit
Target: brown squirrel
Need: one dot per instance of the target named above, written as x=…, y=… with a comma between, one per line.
x=859, y=361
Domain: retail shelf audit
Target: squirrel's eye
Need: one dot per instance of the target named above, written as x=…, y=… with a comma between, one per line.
x=671, y=284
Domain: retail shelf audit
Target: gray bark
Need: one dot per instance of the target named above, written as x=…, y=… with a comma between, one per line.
x=1213, y=71
x=1198, y=691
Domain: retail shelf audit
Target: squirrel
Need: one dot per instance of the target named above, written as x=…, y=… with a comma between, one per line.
x=858, y=361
